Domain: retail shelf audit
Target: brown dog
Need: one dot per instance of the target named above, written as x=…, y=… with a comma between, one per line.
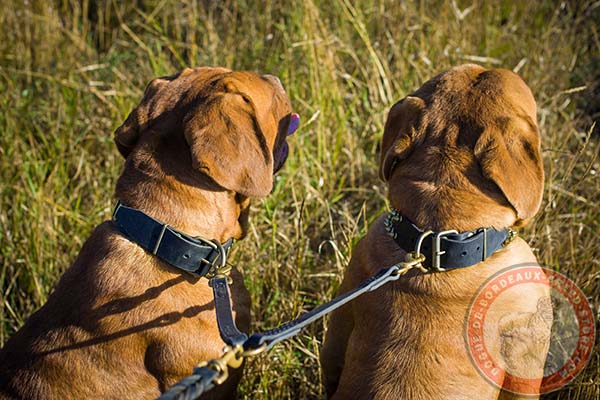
x=121, y=323
x=461, y=153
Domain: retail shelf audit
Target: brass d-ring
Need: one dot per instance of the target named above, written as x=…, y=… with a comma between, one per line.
x=420, y=241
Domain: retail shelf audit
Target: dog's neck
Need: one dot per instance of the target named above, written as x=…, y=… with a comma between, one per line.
x=194, y=205
x=440, y=208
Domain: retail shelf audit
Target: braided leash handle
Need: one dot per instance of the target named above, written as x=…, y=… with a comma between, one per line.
x=193, y=386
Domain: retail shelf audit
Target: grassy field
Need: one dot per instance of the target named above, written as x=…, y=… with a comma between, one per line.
x=71, y=71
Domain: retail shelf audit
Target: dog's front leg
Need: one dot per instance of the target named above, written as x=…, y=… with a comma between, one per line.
x=339, y=329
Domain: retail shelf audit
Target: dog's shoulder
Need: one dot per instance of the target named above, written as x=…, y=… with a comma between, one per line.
x=108, y=263
x=374, y=251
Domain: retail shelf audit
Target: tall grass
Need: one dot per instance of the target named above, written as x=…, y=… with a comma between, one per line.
x=70, y=71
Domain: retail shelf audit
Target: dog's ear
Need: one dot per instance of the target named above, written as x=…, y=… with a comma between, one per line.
x=509, y=154
x=127, y=135
x=231, y=144
x=401, y=133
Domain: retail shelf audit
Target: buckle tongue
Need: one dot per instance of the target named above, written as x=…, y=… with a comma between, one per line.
x=436, y=250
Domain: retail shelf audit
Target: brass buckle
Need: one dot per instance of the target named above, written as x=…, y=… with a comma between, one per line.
x=436, y=250
x=221, y=268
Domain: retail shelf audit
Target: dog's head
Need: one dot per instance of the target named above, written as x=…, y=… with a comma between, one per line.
x=465, y=126
x=234, y=123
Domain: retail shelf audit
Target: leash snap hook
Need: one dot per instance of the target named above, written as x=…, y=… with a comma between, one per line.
x=232, y=358
x=412, y=260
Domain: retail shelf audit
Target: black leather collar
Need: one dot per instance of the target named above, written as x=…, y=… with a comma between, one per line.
x=195, y=255
x=448, y=249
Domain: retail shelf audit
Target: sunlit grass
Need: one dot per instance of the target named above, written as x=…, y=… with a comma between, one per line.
x=71, y=71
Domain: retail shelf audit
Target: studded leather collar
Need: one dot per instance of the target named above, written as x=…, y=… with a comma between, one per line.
x=449, y=249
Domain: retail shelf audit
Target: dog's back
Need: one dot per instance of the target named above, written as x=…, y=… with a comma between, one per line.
x=462, y=153
x=63, y=349
x=122, y=322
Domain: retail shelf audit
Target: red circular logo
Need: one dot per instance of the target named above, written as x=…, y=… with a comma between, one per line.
x=534, y=350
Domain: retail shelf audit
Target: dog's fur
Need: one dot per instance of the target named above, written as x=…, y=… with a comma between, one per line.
x=121, y=323
x=462, y=152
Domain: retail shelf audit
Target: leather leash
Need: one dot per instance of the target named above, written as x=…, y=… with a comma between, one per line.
x=240, y=346
x=227, y=327
x=266, y=340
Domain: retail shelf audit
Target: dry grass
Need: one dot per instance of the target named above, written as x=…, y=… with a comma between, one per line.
x=70, y=72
